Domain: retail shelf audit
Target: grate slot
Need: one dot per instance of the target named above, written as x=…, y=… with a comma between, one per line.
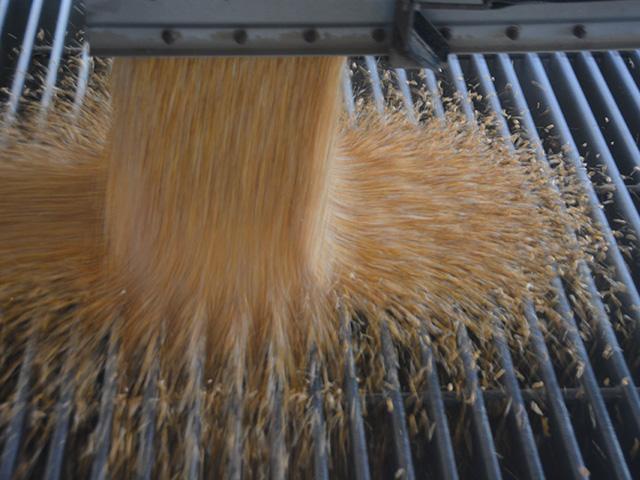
x=624, y=89
x=107, y=403
x=580, y=115
x=473, y=394
x=148, y=419
x=321, y=466
x=14, y=432
x=398, y=418
x=433, y=396
x=354, y=406
x=435, y=406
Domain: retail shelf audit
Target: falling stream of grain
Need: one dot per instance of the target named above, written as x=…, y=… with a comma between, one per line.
x=217, y=190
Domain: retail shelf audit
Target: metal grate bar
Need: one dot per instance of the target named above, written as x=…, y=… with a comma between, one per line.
x=4, y=7
x=623, y=88
x=437, y=414
x=193, y=432
x=518, y=411
x=14, y=432
x=347, y=91
x=398, y=418
x=489, y=94
x=473, y=394
x=579, y=114
x=588, y=380
x=403, y=85
x=23, y=61
x=434, y=90
x=56, y=54
x=83, y=79
x=457, y=78
x=511, y=87
x=571, y=395
x=540, y=92
x=321, y=466
x=63, y=414
x=622, y=145
x=148, y=419
x=559, y=412
x=376, y=85
x=634, y=58
x=358, y=441
x=237, y=412
x=277, y=432
x=107, y=402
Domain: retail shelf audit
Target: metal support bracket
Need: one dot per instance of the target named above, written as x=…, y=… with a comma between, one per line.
x=411, y=32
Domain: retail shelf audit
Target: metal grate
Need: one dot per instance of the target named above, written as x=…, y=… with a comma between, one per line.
x=559, y=100
x=583, y=104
